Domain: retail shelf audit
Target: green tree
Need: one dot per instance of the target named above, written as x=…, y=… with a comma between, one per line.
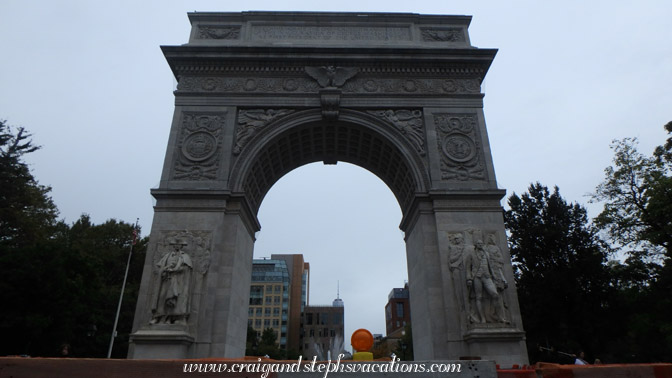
x=27, y=213
x=404, y=349
x=560, y=272
x=268, y=346
x=637, y=197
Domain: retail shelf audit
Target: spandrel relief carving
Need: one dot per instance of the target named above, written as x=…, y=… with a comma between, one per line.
x=180, y=260
x=199, y=147
x=408, y=122
x=459, y=146
x=250, y=122
x=478, y=278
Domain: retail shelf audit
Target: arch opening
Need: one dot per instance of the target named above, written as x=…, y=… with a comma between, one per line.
x=351, y=237
x=298, y=144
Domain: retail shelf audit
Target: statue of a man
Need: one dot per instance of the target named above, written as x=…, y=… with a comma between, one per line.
x=480, y=273
x=172, y=304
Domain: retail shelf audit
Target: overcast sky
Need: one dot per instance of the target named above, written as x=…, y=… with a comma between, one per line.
x=88, y=79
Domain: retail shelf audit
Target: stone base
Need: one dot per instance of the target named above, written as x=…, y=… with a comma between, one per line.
x=160, y=344
x=504, y=345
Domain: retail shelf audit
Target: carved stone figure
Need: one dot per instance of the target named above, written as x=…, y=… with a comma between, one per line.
x=172, y=304
x=497, y=259
x=456, y=251
x=250, y=121
x=409, y=122
x=479, y=274
x=330, y=76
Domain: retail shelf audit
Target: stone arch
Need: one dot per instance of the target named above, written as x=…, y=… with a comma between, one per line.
x=397, y=94
x=303, y=137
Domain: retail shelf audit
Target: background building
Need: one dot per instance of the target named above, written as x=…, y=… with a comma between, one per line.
x=269, y=298
x=322, y=330
x=397, y=311
x=299, y=281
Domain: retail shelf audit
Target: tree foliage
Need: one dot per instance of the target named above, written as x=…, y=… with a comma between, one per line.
x=637, y=197
x=60, y=283
x=27, y=213
x=559, y=270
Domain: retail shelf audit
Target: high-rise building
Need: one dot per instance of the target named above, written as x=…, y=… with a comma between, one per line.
x=397, y=312
x=299, y=278
x=270, y=298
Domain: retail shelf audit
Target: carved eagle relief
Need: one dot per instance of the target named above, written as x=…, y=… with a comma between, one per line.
x=330, y=76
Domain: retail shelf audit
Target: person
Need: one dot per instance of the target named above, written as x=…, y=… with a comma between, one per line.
x=479, y=273
x=64, y=350
x=172, y=305
x=581, y=359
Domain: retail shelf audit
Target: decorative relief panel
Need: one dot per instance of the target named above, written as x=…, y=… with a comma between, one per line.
x=246, y=85
x=253, y=120
x=218, y=32
x=199, y=146
x=408, y=122
x=357, y=84
x=442, y=35
x=477, y=272
x=180, y=261
x=460, y=148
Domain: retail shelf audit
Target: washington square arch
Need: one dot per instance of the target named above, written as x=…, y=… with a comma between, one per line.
x=262, y=93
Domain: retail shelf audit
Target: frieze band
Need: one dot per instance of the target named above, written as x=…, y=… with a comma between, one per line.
x=306, y=85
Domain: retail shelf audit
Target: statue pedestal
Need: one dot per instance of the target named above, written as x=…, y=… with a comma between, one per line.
x=161, y=343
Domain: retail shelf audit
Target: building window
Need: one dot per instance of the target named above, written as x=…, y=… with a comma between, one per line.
x=309, y=319
x=259, y=311
x=257, y=323
x=267, y=323
x=250, y=312
x=267, y=312
x=333, y=332
x=269, y=288
x=312, y=333
x=269, y=300
x=400, y=310
x=276, y=323
x=336, y=319
x=276, y=299
x=276, y=311
x=278, y=288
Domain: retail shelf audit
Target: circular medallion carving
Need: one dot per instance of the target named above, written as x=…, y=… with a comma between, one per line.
x=370, y=86
x=199, y=146
x=410, y=86
x=459, y=148
x=250, y=85
x=209, y=84
x=290, y=85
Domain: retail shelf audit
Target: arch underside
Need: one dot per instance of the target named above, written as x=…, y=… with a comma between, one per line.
x=330, y=142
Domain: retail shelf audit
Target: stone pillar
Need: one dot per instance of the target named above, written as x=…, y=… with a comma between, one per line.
x=215, y=232
x=442, y=237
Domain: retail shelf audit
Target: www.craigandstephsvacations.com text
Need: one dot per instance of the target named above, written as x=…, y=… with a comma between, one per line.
x=325, y=367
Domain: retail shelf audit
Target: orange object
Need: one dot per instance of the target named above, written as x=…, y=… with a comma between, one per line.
x=362, y=340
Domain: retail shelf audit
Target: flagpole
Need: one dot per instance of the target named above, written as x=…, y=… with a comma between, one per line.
x=123, y=286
